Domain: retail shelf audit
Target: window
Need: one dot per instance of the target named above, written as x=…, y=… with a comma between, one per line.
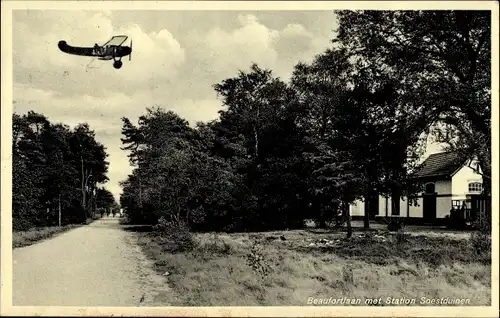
x=456, y=203
x=430, y=188
x=475, y=187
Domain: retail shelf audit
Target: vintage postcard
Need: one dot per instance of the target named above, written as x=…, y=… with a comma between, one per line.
x=250, y=158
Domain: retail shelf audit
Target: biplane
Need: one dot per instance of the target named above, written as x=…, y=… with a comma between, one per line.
x=113, y=49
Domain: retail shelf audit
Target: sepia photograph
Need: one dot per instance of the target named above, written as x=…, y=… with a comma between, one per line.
x=323, y=159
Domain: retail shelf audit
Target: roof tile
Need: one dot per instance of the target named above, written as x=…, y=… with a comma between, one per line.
x=440, y=164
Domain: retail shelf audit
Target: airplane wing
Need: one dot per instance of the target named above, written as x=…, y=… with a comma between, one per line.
x=85, y=51
x=116, y=40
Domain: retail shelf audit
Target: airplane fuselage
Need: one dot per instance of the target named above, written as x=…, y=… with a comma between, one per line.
x=103, y=52
x=114, y=51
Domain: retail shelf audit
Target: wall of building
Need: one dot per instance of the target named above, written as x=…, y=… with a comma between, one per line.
x=357, y=208
x=447, y=190
x=415, y=208
x=384, y=208
x=443, y=187
x=462, y=178
x=443, y=206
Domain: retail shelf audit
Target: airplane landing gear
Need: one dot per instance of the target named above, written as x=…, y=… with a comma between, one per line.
x=117, y=64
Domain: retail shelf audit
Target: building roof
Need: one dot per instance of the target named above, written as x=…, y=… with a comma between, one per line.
x=442, y=164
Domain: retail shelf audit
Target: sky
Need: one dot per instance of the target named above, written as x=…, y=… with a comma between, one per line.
x=177, y=57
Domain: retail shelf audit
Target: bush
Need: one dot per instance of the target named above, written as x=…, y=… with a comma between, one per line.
x=481, y=243
x=395, y=224
x=401, y=237
x=454, y=221
x=257, y=261
x=483, y=223
x=177, y=236
x=20, y=224
x=215, y=245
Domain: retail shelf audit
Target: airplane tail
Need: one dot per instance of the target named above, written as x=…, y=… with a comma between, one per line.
x=66, y=48
x=62, y=45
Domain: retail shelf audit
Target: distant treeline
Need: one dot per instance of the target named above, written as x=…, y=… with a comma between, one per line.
x=351, y=124
x=55, y=169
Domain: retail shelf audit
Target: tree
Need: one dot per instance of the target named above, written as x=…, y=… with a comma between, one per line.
x=261, y=109
x=46, y=170
x=104, y=200
x=433, y=54
x=26, y=161
x=342, y=132
x=242, y=171
x=352, y=113
x=321, y=90
x=90, y=156
x=59, y=173
x=157, y=147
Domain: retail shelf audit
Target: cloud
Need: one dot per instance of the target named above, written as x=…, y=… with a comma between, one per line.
x=79, y=29
x=99, y=111
x=174, y=64
x=156, y=55
x=198, y=110
x=224, y=52
x=294, y=29
x=72, y=110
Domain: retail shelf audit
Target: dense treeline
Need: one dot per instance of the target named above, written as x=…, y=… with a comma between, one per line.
x=349, y=125
x=55, y=168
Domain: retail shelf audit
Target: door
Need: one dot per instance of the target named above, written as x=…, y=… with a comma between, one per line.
x=429, y=203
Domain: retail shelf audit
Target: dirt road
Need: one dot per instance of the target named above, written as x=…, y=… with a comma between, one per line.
x=95, y=265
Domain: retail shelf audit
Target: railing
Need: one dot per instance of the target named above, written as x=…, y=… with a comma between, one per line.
x=475, y=211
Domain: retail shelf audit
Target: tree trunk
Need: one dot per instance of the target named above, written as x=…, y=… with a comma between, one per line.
x=366, y=224
x=95, y=204
x=60, y=210
x=368, y=191
x=140, y=192
x=89, y=201
x=256, y=136
x=86, y=189
x=395, y=202
x=347, y=217
x=485, y=164
x=83, y=184
x=322, y=222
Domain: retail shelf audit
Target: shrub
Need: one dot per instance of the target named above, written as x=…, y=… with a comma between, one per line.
x=257, y=261
x=481, y=243
x=20, y=224
x=481, y=238
x=216, y=245
x=401, y=236
x=395, y=224
x=348, y=274
x=455, y=221
x=177, y=236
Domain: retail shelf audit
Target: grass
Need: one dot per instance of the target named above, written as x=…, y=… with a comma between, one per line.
x=262, y=269
x=37, y=234
x=34, y=235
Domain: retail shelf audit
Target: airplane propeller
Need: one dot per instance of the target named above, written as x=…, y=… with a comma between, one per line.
x=130, y=55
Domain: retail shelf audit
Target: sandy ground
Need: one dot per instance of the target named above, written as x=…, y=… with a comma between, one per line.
x=95, y=265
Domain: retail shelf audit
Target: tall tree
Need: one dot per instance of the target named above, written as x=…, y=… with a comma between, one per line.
x=104, y=200
x=46, y=171
x=261, y=109
x=433, y=54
